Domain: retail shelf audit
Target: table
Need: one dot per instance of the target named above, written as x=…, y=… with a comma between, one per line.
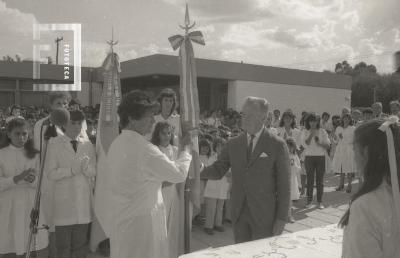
x=322, y=242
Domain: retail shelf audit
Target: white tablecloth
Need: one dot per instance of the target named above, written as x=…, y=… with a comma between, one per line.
x=323, y=242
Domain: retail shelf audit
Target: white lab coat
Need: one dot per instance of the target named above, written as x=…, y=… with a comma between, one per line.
x=16, y=202
x=47, y=197
x=139, y=221
x=72, y=184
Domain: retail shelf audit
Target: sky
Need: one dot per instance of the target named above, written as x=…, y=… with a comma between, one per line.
x=300, y=34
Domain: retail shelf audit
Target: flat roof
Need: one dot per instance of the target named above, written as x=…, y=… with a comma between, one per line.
x=160, y=64
x=52, y=72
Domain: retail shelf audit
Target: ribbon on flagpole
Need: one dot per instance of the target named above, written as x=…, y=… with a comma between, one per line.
x=385, y=127
x=189, y=114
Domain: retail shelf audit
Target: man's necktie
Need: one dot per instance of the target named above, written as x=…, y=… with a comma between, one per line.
x=250, y=147
x=74, y=144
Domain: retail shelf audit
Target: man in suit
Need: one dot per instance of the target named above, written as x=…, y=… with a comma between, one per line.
x=259, y=161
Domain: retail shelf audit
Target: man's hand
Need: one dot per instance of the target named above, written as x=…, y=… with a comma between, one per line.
x=278, y=227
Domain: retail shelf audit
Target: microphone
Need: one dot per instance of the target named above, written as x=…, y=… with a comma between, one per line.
x=59, y=117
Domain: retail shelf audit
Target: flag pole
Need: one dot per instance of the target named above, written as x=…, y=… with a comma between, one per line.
x=189, y=107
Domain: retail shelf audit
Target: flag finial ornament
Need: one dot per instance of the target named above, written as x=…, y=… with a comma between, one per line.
x=111, y=42
x=187, y=26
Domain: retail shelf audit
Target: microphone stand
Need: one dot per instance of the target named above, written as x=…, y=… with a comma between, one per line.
x=33, y=228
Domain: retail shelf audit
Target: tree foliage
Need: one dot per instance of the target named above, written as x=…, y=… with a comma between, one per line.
x=368, y=85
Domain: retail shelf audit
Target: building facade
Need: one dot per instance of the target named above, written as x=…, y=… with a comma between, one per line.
x=220, y=84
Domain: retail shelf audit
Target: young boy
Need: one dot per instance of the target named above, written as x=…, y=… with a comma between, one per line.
x=71, y=166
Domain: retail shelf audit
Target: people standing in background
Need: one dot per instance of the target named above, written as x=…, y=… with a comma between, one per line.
x=277, y=118
x=214, y=120
x=394, y=107
x=343, y=160
x=215, y=194
x=19, y=170
x=15, y=112
x=71, y=165
x=356, y=116
x=268, y=124
x=75, y=104
x=163, y=138
x=377, y=110
x=207, y=159
x=346, y=111
x=368, y=114
x=168, y=101
x=316, y=143
x=287, y=127
x=325, y=123
x=303, y=119
x=295, y=168
x=371, y=224
x=44, y=127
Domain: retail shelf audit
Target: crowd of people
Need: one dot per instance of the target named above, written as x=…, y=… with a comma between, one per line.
x=254, y=164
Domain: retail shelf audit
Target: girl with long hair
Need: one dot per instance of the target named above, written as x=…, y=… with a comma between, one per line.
x=19, y=168
x=162, y=137
x=315, y=143
x=370, y=226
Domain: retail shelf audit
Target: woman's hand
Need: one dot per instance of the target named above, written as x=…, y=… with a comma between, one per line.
x=23, y=175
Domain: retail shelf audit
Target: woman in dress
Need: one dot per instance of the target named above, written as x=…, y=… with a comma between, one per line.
x=287, y=127
x=19, y=168
x=215, y=194
x=162, y=137
x=371, y=226
x=343, y=159
x=139, y=227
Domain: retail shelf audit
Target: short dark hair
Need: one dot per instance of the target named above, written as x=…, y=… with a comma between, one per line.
x=76, y=115
x=312, y=117
x=135, y=104
x=14, y=107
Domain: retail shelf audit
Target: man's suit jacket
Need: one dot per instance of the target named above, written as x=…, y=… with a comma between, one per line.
x=263, y=181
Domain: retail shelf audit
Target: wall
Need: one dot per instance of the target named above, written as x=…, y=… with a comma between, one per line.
x=283, y=96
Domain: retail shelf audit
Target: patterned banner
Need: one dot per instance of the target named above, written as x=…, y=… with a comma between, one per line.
x=107, y=131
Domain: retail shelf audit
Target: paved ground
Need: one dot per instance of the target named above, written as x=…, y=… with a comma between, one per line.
x=336, y=204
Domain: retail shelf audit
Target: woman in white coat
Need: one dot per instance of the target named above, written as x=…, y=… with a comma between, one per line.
x=343, y=160
x=139, y=168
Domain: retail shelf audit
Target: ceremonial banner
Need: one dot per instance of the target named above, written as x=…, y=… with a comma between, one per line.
x=189, y=112
x=107, y=131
